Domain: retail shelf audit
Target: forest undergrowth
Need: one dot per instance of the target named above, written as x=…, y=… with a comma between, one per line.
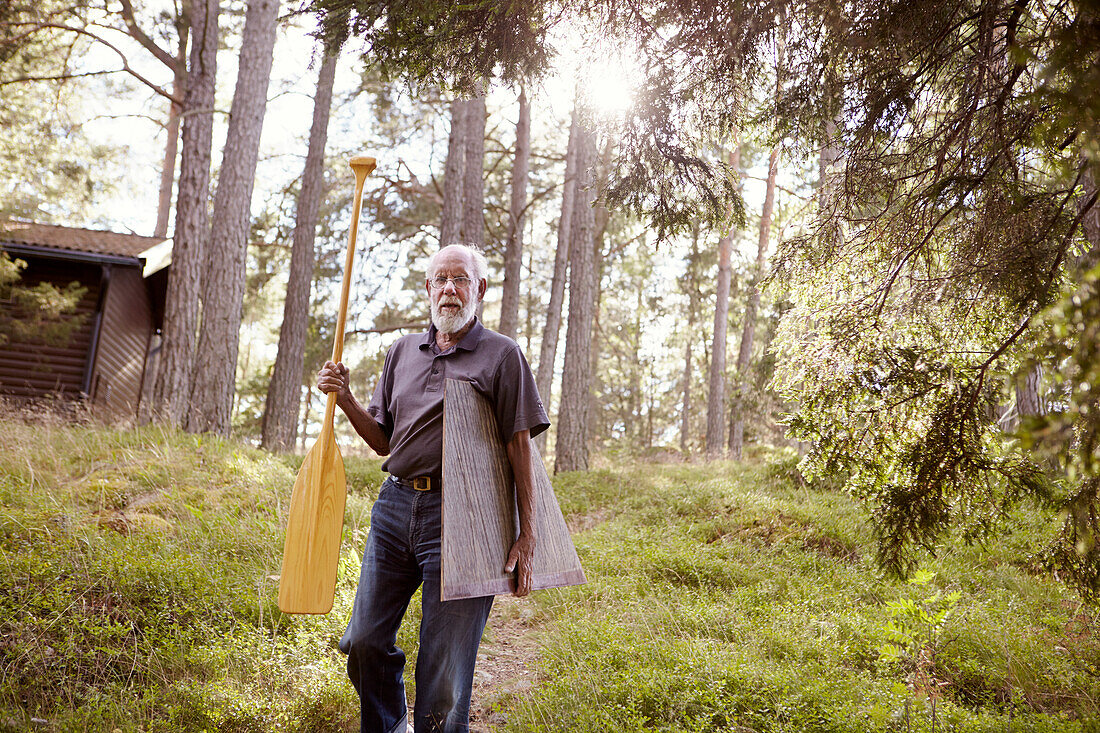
x=138, y=584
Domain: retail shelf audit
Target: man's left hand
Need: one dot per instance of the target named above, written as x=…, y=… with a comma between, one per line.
x=520, y=559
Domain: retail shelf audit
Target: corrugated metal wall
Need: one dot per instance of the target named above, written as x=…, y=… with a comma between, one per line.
x=123, y=340
x=35, y=369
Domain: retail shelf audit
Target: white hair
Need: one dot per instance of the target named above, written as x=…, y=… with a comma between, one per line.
x=481, y=265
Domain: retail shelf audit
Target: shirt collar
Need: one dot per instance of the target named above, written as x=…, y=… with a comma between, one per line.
x=469, y=342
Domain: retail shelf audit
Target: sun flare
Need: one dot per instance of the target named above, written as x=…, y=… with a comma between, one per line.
x=606, y=75
x=609, y=85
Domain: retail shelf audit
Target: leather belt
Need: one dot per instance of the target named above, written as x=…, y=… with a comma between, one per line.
x=418, y=483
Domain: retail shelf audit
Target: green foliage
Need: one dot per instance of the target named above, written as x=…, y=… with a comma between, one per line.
x=1070, y=435
x=434, y=42
x=49, y=168
x=138, y=594
x=948, y=229
x=735, y=598
x=42, y=313
x=913, y=629
x=140, y=586
x=9, y=274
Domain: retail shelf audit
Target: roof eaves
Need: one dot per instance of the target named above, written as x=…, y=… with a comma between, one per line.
x=70, y=255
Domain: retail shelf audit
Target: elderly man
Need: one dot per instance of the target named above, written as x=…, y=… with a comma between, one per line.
x=404, y=420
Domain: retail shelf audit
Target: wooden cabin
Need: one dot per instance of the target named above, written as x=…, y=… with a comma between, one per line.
x=105, y=363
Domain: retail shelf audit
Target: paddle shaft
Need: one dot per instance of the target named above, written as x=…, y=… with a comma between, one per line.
x=311, y=553
x=361, y=166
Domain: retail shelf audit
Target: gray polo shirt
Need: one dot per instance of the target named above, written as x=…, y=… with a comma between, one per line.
x=408, y=400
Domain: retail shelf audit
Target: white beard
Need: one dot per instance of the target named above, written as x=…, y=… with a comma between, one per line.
x=446, y=323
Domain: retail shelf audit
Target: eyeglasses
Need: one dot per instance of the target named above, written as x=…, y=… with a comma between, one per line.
x=439, y=282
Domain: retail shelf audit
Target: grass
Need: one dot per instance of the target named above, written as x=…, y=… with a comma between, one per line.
x=727, y=598
x=138, y=583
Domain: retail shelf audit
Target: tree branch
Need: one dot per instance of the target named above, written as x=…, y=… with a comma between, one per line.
x=139, y=35
x=59, y=77
x=417, y=325
x=784, y=189
x=125, y=61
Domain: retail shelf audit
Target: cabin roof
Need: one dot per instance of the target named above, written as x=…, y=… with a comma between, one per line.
x=82, y=240
x=154, y=251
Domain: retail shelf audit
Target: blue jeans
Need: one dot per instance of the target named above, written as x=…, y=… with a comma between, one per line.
x=403, y=551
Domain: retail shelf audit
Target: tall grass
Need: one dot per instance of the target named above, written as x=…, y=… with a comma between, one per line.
x=727, y=597
x=138, y=578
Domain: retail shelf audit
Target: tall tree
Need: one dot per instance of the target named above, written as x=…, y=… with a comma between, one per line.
x=600, y=252
x=923, y=251
x=450, y=225
x=548, y=349
x=748, y=329
x=284, y=395
x=181, y=316
x=689, y=283
x=43, y=43
x=473, y=184
x=716, y=378
x=214, y=384
x=178, y=65
x=513, y=252
x=571, y=452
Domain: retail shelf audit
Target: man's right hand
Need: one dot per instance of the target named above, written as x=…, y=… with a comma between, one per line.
x=335, y=377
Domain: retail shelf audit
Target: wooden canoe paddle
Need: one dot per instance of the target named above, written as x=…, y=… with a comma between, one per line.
x=316, y=520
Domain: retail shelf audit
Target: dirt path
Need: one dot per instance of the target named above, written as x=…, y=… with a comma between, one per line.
x=505, y=661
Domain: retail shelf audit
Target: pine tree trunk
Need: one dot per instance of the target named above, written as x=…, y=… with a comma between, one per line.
x=172, y=132
x=1089, y=203
x=638, y=398
x=689, y=281
x=548, y=350
x=223, y=286
x=716, y=378
x=685, y=407
x=181, y=309
x=1028, y=401
x=284, y=396
x=529, y=306
x=450, y=226
x=572, y=443
x=513, y=252
x=601, y=216
x=737, y=436
x=307, y=403
x=473, y=184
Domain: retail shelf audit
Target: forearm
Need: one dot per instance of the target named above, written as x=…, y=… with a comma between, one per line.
x=364, y=424
x=519, y=455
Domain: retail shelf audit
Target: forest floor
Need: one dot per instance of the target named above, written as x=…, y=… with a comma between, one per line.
x=505, y=662
x=139, y=577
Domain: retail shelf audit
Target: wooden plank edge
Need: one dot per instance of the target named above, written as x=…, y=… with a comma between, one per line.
x=504, y=586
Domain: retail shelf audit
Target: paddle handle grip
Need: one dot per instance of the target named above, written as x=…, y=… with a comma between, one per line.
x=361, y=166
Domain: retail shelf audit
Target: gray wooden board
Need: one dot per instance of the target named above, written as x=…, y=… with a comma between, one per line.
x=480, y=520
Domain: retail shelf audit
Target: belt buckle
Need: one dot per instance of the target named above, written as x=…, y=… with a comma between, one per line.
x=422, y=483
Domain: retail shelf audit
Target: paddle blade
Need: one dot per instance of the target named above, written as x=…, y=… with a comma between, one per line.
x=314, y=527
